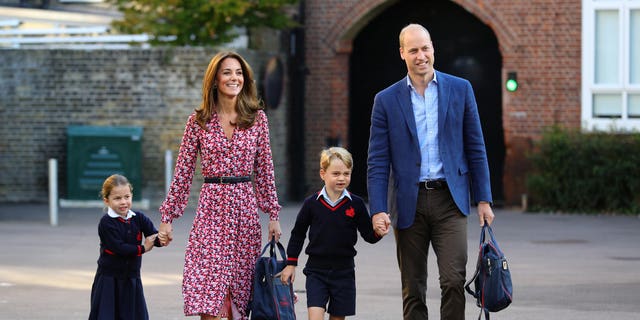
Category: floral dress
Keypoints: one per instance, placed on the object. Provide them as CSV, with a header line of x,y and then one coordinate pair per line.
x,y
225,238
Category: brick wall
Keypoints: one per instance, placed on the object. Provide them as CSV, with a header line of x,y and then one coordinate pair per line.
x,y
538,39
44,91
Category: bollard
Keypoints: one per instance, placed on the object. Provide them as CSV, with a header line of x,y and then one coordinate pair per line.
x,y
53,192
168,166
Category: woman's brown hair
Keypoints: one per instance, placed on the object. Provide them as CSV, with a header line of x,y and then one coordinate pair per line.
x,y
248,103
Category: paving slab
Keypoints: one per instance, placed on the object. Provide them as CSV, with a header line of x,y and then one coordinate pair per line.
x,y
563,266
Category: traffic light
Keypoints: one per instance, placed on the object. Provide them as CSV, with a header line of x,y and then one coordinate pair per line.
x,y
512,81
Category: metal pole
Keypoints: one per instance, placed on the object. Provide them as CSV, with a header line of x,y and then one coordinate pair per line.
x,y
53,192
168,166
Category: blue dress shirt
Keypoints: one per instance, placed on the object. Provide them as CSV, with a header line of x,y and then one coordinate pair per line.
x,y
324,194
425,111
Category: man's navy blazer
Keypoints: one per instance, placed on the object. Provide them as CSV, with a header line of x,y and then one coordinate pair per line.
x,y
394,157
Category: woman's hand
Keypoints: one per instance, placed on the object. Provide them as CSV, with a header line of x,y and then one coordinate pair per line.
x,y
165,234
274,230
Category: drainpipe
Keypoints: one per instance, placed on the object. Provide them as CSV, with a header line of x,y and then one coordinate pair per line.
x,y
297,74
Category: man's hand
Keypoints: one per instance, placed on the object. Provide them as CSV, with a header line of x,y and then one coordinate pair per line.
x,y
485,213
381,223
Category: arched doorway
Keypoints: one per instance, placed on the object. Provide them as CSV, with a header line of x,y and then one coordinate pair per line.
x,y
464,46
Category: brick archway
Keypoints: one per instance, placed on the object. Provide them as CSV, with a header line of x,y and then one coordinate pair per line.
x,y
331,27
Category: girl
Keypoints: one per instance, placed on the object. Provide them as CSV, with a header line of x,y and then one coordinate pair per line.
x,y
117,289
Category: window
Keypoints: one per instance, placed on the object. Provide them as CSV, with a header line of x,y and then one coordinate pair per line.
x,y
611,64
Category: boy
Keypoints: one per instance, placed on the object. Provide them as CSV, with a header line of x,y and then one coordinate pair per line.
x,y
332,216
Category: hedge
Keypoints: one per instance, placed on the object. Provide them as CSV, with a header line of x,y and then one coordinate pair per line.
x,y
593,172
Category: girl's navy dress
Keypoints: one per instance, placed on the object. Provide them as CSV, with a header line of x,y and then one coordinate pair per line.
x,y
117,289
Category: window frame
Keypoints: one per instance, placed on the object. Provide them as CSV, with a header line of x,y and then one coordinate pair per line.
x,y
623,87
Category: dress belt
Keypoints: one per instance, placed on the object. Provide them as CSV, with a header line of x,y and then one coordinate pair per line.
x,y
440,184
227,179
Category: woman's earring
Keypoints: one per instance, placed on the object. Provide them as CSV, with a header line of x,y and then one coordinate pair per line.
x,y
215,86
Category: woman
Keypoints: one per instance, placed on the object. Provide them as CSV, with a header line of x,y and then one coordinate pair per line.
x,y
230,132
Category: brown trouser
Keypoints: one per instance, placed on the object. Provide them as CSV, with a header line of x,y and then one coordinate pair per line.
x,y
438,222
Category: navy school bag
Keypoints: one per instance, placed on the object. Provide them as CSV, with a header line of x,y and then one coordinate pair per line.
x,y
492,280
271,299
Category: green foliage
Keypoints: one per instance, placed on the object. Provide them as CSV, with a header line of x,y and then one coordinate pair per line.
x,y
199,22
586,172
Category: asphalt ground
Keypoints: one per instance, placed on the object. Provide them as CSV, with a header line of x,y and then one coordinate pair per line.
x,y
563,266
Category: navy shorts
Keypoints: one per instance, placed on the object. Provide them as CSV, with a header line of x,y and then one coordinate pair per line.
x,y
335,287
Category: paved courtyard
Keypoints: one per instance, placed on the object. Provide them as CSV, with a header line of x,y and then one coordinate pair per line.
x,y
563,267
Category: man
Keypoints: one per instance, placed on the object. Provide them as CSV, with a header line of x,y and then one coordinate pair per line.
x,y
426,153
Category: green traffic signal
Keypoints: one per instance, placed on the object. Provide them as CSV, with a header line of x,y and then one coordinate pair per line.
x,y
512,82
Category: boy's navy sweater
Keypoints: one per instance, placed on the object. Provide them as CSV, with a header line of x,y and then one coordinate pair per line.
x,y
120,244
332,232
